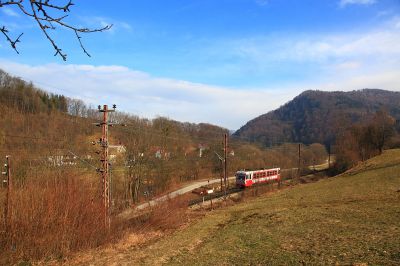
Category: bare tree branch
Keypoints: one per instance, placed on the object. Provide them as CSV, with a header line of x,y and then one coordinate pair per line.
x,y
13,43
41,11
80,42
6,3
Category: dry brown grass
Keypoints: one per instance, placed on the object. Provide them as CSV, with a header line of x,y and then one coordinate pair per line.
x,y
56,216
108,253
139,232
170,214
52,217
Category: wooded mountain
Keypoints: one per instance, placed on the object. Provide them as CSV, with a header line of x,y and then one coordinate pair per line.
x,y
57,204
318,116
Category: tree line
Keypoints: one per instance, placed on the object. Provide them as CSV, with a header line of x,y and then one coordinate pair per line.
x,y
366,139
56,185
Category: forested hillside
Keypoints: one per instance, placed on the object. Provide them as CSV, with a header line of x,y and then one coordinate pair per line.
x,y
38,125
318,116
56,201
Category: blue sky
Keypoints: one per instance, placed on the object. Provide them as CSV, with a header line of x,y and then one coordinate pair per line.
x,y
218,61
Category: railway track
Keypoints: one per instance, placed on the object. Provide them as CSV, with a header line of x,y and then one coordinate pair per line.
x,y
215,195
234,190
221,194
129,212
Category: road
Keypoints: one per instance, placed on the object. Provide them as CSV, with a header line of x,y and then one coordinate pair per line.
x,y
127,213
171,195
180,191
323,166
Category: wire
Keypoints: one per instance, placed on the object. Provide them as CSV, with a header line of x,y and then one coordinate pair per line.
x,y
30,137
82,160
169,137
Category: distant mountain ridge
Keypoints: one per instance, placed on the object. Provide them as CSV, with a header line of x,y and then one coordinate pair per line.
x,y
316,116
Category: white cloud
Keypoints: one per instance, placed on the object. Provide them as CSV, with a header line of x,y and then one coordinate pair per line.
x,y
141,94
304,56
144,95
125,26
349,65
344,3
387,79
384,13
9,12
262,2
316,48
340,61
396,22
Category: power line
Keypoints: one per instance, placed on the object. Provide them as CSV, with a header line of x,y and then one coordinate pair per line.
x,y
83,160
170,137
30,137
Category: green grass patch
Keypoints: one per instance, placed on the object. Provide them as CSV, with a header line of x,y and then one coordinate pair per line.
x,y
350,219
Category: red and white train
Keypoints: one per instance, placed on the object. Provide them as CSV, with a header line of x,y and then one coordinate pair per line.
x,y
248,178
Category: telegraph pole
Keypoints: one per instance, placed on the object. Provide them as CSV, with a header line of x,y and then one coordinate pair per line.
x,y
221,175
329,156
225,160
8,206
105,166
299,162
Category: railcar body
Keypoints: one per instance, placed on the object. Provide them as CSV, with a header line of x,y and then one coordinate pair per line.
x,y
249,178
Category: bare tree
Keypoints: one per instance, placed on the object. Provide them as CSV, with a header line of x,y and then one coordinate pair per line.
x,y
42,12
76,107
383,128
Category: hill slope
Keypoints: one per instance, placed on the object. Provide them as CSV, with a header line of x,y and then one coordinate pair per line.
x,y
349,219
315,116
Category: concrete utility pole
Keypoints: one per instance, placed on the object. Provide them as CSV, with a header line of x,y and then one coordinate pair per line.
x,y
225,160
105,169
8,202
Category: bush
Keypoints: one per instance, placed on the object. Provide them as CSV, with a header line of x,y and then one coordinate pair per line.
x,y
51,218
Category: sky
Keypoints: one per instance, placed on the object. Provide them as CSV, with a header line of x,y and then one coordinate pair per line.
x,y
223,62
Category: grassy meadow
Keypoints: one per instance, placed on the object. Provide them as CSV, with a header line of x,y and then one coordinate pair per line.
x,y
351,219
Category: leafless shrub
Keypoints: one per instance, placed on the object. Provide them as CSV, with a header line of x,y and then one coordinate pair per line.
x,y
169,215
52,217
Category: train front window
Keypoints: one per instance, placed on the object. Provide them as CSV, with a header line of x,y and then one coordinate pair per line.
x,y
241,177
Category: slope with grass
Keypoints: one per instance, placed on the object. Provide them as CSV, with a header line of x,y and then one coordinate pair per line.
x,y
349,219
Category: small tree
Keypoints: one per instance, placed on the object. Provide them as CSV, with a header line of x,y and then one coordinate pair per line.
x,y
363,141
382,128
